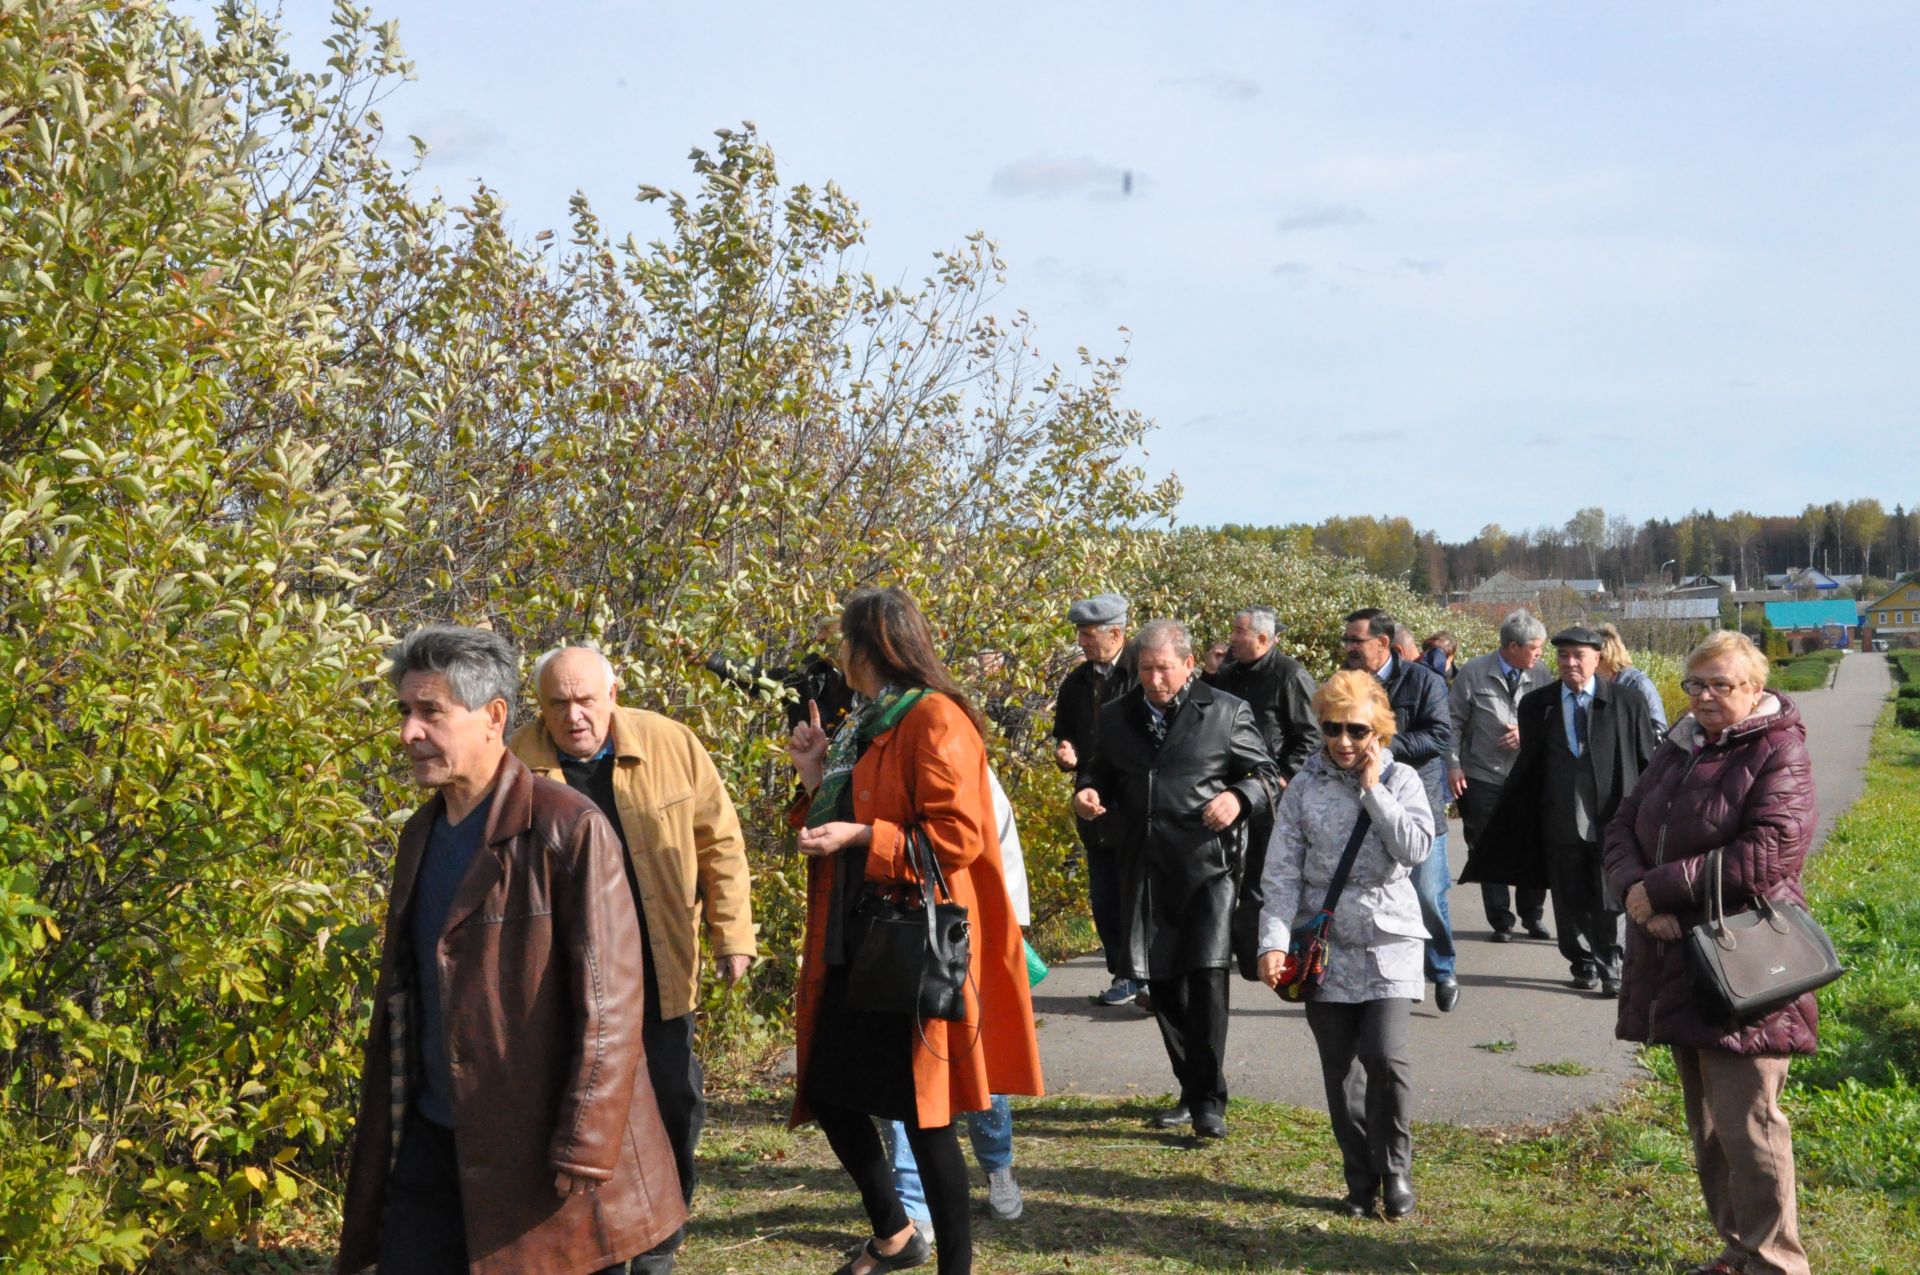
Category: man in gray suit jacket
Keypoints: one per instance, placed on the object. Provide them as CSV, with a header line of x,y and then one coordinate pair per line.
x,y
1485,701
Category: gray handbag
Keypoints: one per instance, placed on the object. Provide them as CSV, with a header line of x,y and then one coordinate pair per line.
x,y
1751,963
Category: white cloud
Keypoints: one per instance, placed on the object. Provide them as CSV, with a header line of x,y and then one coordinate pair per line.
x,y
1322,217
1052,177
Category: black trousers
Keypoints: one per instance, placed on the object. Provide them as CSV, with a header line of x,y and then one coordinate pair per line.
x,y
1368,1076
1191,1009
422,1229
1476,807
1587,920
679,1089
1103,897
855,1140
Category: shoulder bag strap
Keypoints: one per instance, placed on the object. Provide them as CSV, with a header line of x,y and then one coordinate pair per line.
x,y
1347,856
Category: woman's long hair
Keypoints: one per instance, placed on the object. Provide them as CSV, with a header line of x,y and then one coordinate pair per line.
x,y
885,628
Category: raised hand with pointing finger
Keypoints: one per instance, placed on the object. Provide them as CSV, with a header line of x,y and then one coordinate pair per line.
x,y
808,747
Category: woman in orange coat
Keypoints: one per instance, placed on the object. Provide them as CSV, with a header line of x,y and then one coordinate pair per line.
x,y
909,754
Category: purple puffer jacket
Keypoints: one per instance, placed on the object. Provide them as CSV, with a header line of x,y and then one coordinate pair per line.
x,y
1750,792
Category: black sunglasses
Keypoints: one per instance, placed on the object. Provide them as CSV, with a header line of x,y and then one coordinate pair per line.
x,y
1352,730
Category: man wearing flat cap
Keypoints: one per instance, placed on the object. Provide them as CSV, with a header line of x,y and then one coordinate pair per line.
x,y
1100,629
1583,744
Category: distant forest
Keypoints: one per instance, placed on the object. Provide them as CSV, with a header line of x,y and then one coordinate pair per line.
x,y
1857,537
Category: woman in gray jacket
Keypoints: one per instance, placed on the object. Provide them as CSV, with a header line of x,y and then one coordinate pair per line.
x,y
1375,940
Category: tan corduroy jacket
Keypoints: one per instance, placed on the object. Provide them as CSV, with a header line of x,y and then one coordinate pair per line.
x,y
684,840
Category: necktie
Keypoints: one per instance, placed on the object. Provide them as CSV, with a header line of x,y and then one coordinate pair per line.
x,y
1580,723
1513,682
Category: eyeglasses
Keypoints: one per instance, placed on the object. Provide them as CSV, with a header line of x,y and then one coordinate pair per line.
x,y
1352,730
1348,639
1720,687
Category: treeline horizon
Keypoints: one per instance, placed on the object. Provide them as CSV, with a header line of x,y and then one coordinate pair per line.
x,y
1854,537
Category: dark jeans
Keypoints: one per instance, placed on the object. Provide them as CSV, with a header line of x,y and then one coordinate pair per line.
x,y
1103,897
1191,1009
943,1175
1476,807
1588,921
422,1230
679,1089
1368,1076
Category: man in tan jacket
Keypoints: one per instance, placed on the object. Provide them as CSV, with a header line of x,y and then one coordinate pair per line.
x,y
685,861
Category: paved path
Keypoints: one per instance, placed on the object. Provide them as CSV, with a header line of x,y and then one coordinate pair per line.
x,y
1514,993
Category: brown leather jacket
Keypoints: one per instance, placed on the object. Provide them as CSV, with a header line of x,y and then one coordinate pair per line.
x,y
543,961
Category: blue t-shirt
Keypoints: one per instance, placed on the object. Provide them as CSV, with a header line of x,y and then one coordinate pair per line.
x,y
449,853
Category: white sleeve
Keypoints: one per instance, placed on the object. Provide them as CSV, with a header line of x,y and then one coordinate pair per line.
x,y
1013,863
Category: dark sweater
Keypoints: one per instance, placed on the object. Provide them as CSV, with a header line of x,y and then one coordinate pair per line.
x,y
451,849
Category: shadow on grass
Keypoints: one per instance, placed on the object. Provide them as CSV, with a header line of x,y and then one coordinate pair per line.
x,y
1111,1221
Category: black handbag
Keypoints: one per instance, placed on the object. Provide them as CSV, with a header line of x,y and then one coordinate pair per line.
x,y
1751,963
913,958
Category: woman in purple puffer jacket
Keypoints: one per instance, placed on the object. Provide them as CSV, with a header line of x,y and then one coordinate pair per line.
x,y
1734,774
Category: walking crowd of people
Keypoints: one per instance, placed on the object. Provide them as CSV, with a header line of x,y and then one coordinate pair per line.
x,y
533,1095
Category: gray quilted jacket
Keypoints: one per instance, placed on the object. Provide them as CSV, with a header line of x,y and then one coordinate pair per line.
x,y
1377,938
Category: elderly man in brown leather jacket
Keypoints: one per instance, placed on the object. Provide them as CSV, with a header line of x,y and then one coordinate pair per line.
x,y
685,859
507,1122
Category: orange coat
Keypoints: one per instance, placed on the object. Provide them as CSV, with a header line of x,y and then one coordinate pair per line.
x,y
931,769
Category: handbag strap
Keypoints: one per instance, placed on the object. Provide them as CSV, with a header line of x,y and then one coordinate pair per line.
x,y
1716,899
1347,856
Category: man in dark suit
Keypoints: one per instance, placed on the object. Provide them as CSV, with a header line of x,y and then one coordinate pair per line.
x,y
1583,744
1178,770
1423,726
1100,629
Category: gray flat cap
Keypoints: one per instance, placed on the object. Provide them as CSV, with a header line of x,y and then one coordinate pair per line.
x,y
1105,608
1579,635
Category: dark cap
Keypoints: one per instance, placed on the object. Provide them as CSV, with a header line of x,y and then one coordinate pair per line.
x,y
1104,608
1579,635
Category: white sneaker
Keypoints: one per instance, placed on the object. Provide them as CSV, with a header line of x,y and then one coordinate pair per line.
x,y
1003,1196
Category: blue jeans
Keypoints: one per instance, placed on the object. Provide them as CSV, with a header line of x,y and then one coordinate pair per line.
x,y
990,1131
1431,881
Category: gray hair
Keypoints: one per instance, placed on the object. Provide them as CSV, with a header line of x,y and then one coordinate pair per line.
x,y
1260,619
1521,629
1171,635
480,666
540,665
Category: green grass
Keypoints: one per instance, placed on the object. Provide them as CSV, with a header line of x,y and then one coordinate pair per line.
x,y
1497,1046
1561,1067
1857,1101
1809,672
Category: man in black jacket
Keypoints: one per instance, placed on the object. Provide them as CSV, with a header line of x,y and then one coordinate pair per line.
x,y
1178,771
1280,693
1583,744
1424,731
1100,629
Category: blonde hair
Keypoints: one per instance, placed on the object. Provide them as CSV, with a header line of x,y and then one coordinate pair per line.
x,y
1352,695
1613,651
1737,646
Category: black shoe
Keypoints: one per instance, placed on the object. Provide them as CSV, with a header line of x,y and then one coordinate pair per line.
x,y
1359,1200
1535,930
1209,1127
1143,1000
1446,994
1609,988
1586,981
1172,1118
913,1253
1397,1195
1500,936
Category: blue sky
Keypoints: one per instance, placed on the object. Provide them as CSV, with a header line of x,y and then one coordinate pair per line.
x,y
1466,262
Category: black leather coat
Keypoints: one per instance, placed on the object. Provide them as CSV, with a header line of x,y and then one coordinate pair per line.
x,y
1177,877
1280,693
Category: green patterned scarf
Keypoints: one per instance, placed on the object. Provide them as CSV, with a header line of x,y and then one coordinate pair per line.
x,y
869,720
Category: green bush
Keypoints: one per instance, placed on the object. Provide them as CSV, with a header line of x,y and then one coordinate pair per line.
x,y
1907,714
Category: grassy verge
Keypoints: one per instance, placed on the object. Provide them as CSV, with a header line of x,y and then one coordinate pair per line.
x,y
1804,672
1858,1100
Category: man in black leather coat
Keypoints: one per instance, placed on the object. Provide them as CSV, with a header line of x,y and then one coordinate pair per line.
x,y
1179,769
1280,693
